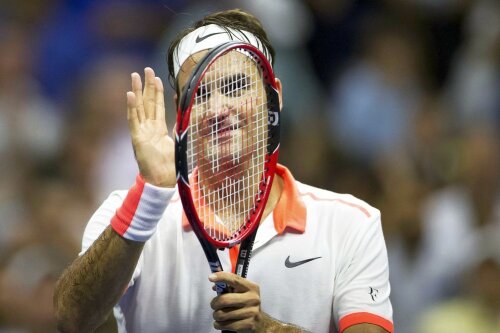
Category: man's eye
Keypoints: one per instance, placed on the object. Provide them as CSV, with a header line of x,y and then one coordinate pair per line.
x,y
233,86
202,93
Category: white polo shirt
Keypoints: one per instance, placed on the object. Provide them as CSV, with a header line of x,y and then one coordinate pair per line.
x,y
320,261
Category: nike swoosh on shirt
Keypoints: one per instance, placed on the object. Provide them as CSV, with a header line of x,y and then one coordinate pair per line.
x,y
290,264
200,39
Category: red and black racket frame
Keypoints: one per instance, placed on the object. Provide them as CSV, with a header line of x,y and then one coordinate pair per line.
x,y
248,232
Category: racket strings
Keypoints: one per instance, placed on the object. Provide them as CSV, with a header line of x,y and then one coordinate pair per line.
x,y
228,143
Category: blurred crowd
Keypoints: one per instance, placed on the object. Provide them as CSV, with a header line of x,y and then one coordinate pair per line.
x,y
394,101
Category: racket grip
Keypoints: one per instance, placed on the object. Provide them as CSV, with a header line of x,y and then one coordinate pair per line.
x,y
224,331
222,288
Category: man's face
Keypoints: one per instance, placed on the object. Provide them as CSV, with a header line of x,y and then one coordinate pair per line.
x,y
228,123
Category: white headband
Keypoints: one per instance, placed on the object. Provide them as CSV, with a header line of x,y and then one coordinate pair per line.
x,y
210,36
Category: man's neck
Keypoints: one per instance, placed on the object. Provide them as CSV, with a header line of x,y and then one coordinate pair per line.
x,y
274,196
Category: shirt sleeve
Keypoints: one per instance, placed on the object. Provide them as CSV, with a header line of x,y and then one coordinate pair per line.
x,y
101,220
362,285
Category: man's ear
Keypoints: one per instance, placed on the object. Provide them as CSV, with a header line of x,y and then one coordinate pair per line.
x,y
280,91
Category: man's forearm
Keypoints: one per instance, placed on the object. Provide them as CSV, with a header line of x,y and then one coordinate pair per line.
x,y
270,325
94,282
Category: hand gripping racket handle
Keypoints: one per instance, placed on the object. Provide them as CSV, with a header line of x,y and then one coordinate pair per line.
x,y
224,289
221,288
243,260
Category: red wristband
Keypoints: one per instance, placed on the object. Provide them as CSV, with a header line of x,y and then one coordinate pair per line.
x,y
141,210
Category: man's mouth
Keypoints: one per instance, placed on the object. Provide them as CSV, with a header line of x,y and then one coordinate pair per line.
x,y
222,127
225,131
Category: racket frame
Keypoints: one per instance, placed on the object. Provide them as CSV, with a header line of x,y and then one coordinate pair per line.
x,y
247,234
181,140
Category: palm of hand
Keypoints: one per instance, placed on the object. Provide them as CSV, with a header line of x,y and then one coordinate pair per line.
x,y
153,147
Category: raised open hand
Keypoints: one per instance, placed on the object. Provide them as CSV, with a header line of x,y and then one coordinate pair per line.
x,y
153,147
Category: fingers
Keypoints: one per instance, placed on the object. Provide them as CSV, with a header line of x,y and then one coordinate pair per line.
x,y
235,300
137,90
149,102
159,100
149,93
132,117
237,282
235,314
236,311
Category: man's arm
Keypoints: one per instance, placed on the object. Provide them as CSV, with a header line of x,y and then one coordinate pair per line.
x,y
270,324
93,284
362,289
365,328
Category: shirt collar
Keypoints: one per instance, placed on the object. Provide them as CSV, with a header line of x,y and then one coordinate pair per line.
x,y
290,211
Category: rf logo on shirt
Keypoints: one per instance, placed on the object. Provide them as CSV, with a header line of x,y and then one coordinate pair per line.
x,y
373,293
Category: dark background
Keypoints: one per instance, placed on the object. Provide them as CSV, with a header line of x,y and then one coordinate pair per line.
x,y
394,101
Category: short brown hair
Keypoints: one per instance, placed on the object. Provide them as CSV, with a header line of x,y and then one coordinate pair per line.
x,y
234,19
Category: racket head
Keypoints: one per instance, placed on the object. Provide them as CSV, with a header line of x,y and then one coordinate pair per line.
x,y
227,142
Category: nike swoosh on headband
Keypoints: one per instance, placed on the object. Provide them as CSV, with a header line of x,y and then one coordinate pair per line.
x,y
201,39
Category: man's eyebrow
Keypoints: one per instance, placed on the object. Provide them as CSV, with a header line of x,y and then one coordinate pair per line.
x,y
233,77
225,77
236,76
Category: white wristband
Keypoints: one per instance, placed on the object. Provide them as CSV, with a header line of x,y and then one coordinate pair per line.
x,y
141,210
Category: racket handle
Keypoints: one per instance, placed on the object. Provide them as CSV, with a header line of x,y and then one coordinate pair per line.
x,y
222,288
224,331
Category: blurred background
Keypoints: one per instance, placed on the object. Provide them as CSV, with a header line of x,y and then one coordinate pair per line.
x,y
394,101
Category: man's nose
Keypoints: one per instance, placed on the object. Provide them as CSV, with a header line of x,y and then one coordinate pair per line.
x,y
219,105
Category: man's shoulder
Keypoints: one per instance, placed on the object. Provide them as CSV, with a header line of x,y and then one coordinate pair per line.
x,y
331,201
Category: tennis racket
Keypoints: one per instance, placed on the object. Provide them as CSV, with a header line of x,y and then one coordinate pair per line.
x,y
227,143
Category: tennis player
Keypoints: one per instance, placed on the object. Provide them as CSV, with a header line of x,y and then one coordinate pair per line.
x,y
319,262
